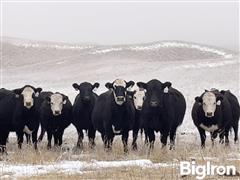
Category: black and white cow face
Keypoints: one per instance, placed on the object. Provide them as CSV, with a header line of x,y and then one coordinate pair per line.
x,y
56,102
28,94
209,103
86,90
119,88
154,92
138,96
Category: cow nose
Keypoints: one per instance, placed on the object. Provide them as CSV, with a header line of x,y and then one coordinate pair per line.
x,y
57,112
154,103
120,98
28,103
209,114
139,107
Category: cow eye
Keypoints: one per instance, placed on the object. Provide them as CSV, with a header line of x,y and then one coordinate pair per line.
x,y
135,97
214,103
204,103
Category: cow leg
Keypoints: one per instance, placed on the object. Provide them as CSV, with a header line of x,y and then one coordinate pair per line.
x,y
55,136
235,128
172,137
20,139
3,140
28,138
43,130
164,136
151,136
221,136
135,136
49,136
108,139
226,136
202,136
34,139
146,141
91,137
125,141
60,137
212,138
80,139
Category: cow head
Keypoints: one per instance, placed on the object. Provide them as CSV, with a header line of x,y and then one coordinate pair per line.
x,y
154,92
85,90
209,102
28,93
138,96
56,102
119,88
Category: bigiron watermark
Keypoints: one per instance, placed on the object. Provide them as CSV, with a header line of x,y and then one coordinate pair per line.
x,y
201,171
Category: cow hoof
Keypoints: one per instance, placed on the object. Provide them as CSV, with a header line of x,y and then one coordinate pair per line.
x,y
134,147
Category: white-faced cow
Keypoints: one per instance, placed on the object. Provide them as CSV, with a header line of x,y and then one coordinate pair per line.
x,y
82,111
18,113
114,113
163,110
137,95
212,112
56,116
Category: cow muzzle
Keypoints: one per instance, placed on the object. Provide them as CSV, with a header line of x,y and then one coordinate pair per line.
x,y
154,104
57,113
209,114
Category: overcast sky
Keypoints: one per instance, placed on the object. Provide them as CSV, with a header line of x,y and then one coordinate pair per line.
x,y
117,23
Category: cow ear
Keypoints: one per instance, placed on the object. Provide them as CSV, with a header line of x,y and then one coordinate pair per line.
x,y
166,86
109,85
206,90
65,99
198,100
130,83
142,85
222,92
37,91
219,100
75,86
18,91
96,85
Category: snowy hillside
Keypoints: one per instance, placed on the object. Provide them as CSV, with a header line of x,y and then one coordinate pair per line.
x,y
55,66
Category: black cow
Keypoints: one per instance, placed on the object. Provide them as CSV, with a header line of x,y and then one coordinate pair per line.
x,y
82,111
113,113
163,110
18,113
235,112
56,116
212,112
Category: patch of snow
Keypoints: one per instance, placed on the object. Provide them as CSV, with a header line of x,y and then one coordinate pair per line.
x,y
73,167
180,45
103,51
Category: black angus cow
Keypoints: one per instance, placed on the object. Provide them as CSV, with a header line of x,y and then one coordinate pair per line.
x,y
137,95
235,112
163,110
55,117
82,111
113,113
18,113
212,112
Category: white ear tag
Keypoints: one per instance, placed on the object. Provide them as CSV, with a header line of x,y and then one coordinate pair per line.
x,y
36,94
65,101
17,95
218,102
165,90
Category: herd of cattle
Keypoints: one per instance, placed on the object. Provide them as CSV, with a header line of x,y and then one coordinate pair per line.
x,y
150,107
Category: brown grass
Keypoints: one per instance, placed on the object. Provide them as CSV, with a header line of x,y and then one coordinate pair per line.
x,y
187,148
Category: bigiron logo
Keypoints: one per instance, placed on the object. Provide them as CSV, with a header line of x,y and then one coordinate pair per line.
x,y
201,171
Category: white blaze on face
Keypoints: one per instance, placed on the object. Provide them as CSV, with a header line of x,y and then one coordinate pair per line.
x,y
209,104
57,104
28,97
119,83
138,98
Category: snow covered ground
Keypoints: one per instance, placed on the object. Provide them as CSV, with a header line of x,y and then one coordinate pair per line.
x,y
190,67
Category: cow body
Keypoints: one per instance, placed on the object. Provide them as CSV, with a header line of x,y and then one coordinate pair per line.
x,y
212,112
163,110
18,114
56,116
113,113
82,111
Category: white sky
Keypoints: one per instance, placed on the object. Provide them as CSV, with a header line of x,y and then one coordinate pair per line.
x,y
214,23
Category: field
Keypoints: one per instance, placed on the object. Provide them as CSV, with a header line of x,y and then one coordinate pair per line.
x,y
191,68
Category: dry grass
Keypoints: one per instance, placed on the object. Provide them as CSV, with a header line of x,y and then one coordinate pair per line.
x,y
187,148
